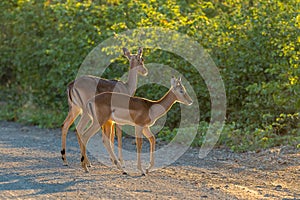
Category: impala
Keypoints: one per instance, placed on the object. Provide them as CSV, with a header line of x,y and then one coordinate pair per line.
x,y
108,108
86,87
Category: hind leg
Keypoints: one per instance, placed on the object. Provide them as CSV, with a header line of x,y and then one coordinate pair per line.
x,y
73,113
83,140
81,127
82,124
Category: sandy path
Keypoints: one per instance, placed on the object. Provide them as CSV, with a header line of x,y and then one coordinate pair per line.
x,y
31,168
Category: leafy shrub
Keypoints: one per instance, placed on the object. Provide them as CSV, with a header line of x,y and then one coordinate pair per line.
x,y
254,43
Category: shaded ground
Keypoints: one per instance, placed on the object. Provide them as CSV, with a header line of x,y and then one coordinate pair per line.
x,y
31,168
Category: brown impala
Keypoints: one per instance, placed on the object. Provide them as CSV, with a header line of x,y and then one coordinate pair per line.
x,y
86,87
108,108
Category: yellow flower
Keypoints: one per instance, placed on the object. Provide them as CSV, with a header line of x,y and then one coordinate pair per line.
x,y
293,80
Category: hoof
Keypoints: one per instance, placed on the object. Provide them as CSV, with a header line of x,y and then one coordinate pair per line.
x,y
125,173
65,162
86,170
143,174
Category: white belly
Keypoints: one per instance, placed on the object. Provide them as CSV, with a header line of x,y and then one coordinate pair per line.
x,y
122,116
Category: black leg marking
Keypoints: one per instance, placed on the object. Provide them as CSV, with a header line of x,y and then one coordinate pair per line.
x,y
63,158
115,162
63,152
82,158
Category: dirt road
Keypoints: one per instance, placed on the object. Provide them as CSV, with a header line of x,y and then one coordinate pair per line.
x,y
31,168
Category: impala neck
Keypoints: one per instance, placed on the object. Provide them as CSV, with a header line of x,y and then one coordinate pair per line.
x,y
132,81
163,105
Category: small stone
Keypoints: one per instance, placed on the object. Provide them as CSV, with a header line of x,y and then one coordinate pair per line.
x,y
278,187
281,161
25,129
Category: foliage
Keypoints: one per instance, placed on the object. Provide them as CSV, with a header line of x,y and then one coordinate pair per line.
x,y
254,43
243,139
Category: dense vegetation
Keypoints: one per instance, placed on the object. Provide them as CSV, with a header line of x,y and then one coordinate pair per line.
x,y
254,43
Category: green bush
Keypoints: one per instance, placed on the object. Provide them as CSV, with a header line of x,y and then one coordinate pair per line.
x,y
254,43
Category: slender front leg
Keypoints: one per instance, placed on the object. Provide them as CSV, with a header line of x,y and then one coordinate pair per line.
x,y
139,143
147,132
119,136
107,129
107,139
72,115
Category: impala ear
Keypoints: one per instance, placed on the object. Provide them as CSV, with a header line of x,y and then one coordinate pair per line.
x,y
173,81
140,51
179,80
126,52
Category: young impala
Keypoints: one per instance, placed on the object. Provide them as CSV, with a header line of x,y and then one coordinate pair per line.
x,y
108,108
86,87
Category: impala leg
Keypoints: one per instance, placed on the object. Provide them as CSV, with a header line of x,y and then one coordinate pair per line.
x,y
72,115
79,140
139,143
107,128
82,124
106,139
147,132
83,140
84,161
112,137
119,136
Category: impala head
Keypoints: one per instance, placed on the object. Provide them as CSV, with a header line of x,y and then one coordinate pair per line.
x,y
136,61
180,92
